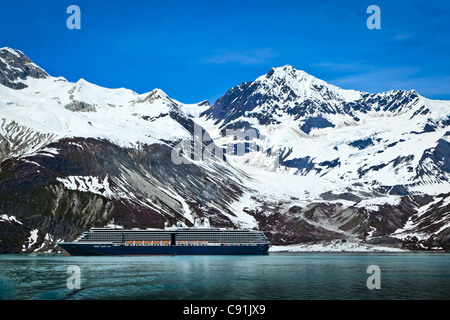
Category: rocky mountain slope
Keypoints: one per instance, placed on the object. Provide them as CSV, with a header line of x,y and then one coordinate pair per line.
x,y
319,164
372,163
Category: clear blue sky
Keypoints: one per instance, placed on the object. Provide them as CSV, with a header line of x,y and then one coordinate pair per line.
x,y
196,50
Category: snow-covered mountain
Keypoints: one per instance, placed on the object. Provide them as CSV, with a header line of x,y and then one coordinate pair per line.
x,y
321,163
75,155
357,152
309,127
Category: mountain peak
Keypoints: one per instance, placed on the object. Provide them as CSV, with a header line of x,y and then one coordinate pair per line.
x,y
6,50
292,85
296,80
286,71
154,95
157,96
15,66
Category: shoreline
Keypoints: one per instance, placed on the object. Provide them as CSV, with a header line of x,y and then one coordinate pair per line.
x,y
339,246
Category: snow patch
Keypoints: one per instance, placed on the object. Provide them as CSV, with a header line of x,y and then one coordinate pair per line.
x,y
32,239
88,184
6,218
374,204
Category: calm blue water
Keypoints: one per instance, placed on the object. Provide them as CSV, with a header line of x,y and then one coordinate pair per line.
x,y
277,276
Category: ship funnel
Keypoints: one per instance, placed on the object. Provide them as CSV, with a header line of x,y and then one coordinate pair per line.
x,y
206,223
198,223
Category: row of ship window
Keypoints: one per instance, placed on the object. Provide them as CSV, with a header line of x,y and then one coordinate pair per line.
x,y
127,237
167,240
166,243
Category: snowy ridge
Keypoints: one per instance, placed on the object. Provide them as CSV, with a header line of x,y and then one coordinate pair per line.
x,y
415,226
58,109
287,82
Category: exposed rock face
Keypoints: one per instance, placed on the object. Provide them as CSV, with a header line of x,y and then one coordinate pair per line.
x,y
90,182
80,106
15,66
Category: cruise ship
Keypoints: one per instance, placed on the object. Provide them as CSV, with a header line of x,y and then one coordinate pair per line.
x,y
201,239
